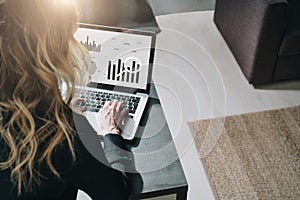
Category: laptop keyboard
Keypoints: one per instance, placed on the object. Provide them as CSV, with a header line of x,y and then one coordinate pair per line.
x,y
95,100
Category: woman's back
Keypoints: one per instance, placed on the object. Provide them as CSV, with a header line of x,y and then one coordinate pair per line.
x,y
42,156
94,176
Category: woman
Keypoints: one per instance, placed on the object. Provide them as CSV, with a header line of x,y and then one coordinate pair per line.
x,y
41,155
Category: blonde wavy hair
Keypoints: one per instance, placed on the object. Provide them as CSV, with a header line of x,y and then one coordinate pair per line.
x,y
37,53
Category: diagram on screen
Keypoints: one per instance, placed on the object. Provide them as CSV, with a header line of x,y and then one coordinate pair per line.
x,y
91,46
117,58
126,71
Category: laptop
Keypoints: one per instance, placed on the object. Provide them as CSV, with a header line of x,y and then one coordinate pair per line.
x,y
121,69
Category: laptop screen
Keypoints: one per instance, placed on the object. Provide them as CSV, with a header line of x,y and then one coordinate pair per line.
x,y
119,58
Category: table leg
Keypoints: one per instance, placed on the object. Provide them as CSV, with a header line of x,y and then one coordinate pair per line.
x,y
182,195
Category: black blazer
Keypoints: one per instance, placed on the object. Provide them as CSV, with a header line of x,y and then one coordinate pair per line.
x,y
97,178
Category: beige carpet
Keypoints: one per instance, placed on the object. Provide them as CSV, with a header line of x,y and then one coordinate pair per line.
x,y
252,156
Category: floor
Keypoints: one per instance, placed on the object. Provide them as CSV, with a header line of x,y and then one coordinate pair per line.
x,y
192,60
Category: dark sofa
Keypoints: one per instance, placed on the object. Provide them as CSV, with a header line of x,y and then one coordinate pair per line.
x,y
264,37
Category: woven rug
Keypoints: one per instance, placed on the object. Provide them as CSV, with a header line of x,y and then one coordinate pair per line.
x,y
252,156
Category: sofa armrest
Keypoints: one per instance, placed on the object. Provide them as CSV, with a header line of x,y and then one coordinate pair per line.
x,y
253,31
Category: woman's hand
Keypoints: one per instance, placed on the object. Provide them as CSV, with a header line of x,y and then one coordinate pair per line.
x,y
78,104
111,117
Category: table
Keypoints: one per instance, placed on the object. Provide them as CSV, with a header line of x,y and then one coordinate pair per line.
x,y
157,169
197,77
156,160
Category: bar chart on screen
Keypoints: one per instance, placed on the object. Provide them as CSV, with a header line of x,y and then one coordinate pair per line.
x,y
127,70
91,45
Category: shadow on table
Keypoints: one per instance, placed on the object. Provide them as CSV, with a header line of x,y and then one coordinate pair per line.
x,y
134,176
